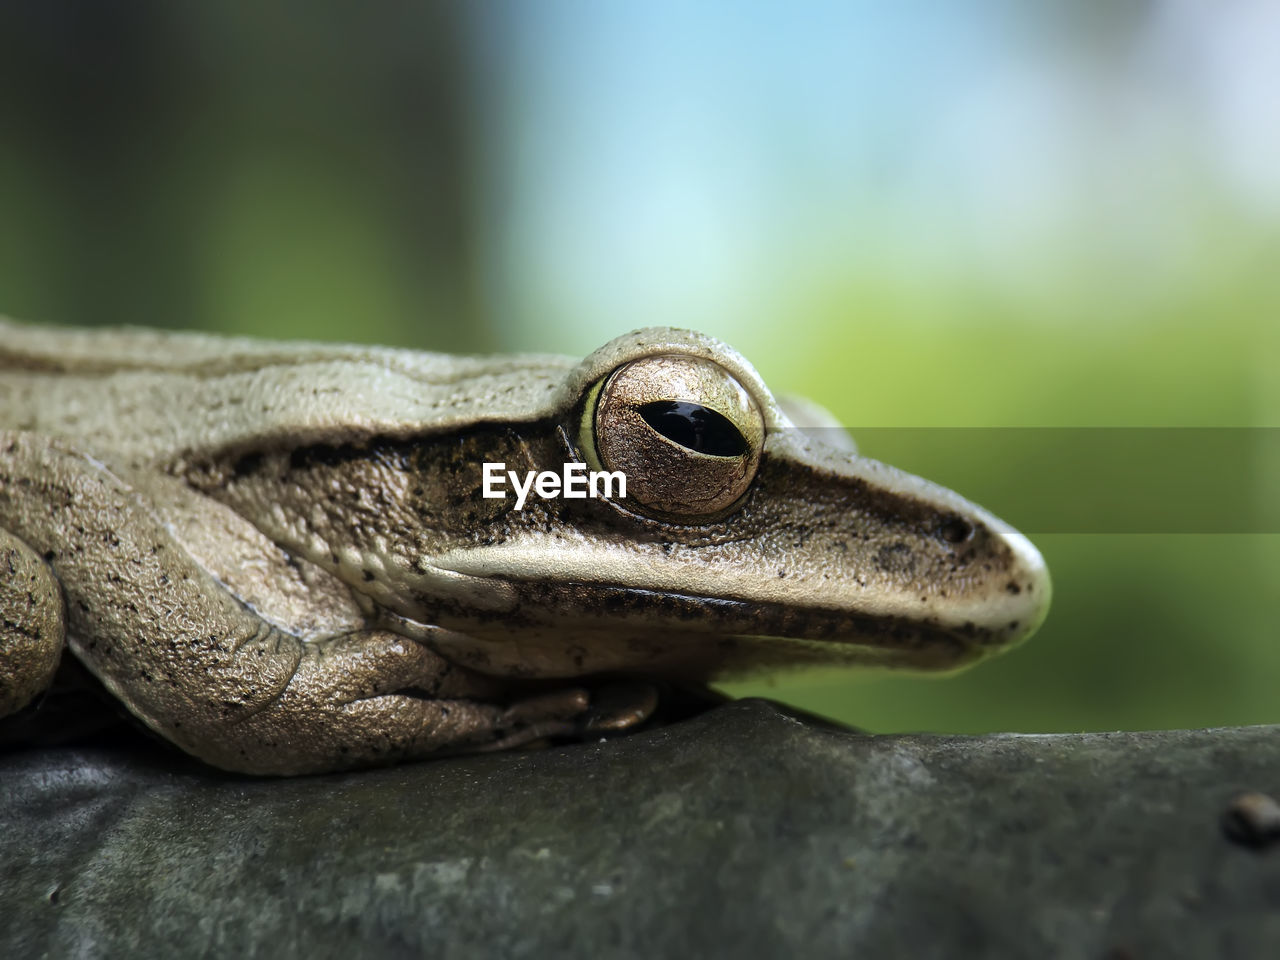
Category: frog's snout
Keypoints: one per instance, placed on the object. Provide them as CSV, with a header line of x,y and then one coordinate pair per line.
x,y
1028,588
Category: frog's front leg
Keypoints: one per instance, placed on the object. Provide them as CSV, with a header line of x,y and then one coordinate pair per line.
x,y
373,697
206,672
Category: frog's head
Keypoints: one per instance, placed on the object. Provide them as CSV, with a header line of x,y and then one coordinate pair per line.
x,y
741,543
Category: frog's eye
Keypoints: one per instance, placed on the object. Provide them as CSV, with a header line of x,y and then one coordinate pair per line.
x,y
682,429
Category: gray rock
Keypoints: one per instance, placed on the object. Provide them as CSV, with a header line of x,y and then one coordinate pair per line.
x,y
743,832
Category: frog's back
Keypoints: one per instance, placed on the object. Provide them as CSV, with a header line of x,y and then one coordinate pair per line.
x,y
148,396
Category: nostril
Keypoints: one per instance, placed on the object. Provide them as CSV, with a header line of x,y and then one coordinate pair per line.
x,y
955,530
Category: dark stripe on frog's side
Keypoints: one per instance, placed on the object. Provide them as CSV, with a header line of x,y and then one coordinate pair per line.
x,y
323,454
426,489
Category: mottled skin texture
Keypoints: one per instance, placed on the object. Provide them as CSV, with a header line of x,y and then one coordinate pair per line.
x,y
277,556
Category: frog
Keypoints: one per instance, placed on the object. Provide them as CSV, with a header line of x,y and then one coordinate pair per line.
x,y
280,557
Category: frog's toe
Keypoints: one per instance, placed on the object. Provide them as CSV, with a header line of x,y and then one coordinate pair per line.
x,y
559,705
31,624
576,713
537,720
619,706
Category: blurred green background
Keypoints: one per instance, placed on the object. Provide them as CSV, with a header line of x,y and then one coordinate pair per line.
x,y
974,214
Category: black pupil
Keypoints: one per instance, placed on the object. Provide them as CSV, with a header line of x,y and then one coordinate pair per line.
x,y
695,426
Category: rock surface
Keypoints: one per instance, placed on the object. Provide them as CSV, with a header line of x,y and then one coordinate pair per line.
x,y
743,832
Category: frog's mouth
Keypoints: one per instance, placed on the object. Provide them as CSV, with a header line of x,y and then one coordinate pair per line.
x,y
577,628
